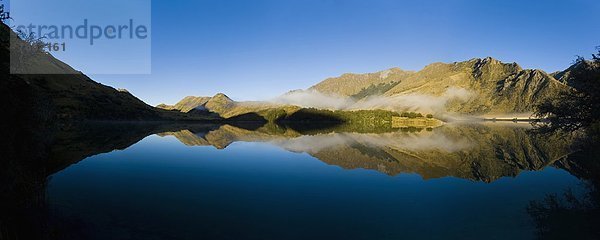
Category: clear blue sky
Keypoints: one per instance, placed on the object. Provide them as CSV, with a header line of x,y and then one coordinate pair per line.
x,y
255,49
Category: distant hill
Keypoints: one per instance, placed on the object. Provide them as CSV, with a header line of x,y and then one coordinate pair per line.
x,y
219,103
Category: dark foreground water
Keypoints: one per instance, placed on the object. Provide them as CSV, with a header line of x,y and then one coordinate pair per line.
x,y
453,182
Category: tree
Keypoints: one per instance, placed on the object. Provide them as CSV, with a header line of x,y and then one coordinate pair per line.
x,y
578,107
4,15
24,48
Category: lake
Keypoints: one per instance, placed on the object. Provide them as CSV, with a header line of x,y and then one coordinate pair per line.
x,y
204,181
458,181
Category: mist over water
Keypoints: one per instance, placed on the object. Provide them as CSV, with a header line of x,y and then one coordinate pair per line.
x,y
403,102
315,99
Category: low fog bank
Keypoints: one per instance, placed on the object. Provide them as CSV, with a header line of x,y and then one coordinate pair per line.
x,y
400,103
411,102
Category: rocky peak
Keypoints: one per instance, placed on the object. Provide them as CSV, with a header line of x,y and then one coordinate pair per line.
x,y
490,69
219,103
389,72
221,97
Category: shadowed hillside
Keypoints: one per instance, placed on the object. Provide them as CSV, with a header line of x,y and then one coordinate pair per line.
x,y
66,94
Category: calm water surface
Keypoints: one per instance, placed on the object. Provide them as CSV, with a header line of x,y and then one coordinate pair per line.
x,y
462,182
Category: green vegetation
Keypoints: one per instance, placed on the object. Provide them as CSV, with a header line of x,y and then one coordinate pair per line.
x,y
311,120
273,114
366,117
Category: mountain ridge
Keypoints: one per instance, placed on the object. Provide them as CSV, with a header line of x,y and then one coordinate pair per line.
x,y
361,81
498,87
489,86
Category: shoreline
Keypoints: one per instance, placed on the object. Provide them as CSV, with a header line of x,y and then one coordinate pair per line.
x,y
513,119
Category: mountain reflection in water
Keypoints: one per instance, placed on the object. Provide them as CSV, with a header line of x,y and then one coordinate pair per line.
x,y
189,181
481,152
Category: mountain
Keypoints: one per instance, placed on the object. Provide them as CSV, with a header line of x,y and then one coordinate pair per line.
x,y
66,94
186,104
220,103
494,87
